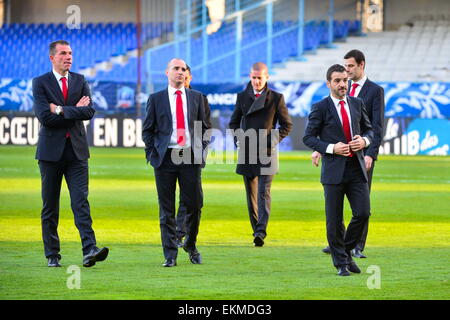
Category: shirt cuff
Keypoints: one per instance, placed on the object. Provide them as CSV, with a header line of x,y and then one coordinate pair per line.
x,y
367,141
330,148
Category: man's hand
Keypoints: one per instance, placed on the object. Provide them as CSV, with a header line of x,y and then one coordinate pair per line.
x,y
368,161
342,149
53,108
315,157
84,102
358,143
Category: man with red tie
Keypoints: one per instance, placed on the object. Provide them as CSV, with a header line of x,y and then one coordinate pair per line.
x,y
181,213
61,103
373,97
261,111
339,128
174,133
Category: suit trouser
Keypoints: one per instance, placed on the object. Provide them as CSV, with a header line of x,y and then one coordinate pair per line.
x,y
258,202
181,221
362,242
191,195
356,189
77,178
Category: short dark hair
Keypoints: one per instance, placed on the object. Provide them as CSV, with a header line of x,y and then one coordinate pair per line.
x,y
188,69
52,47
334,68
357,55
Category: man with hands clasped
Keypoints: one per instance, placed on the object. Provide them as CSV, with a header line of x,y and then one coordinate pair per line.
x,y
339,128
373,97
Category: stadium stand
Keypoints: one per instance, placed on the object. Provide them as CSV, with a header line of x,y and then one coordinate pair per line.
x,y
107,51
24,48
221,46
423,43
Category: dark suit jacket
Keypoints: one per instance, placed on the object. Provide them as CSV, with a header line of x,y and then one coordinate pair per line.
x,y
261,113
157,128
373,97
324,127
52,135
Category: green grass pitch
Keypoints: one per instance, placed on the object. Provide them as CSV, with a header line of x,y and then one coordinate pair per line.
x,y
409,237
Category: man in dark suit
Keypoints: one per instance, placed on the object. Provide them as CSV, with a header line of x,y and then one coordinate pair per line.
x,y
256,113
373,97
339,128
181,213
61,103
174,133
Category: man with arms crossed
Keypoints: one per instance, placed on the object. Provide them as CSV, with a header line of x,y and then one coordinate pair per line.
x,y
61,103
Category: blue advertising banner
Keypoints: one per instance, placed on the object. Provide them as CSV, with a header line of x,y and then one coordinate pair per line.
x,y
428,100
16,95
402,99
405,136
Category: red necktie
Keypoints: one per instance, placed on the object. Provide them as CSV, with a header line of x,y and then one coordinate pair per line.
x,y
64,92
64,88
181,136
345,124
257,95
354,86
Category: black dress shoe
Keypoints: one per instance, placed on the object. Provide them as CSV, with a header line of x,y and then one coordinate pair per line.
x,y
326,250
53,262
169,263
258,241
358,254
194,255
352,267
95,255
342,271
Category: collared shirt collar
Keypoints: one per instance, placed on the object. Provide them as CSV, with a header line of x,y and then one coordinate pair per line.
x,y
336,101
172,90
258,92
59,76
361,81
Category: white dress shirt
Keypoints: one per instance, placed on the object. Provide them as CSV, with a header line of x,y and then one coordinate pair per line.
x,y
330,147
173,109
360,85
58,78
258,92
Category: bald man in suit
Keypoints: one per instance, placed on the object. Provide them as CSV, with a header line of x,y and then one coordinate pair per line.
x,y
175,137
